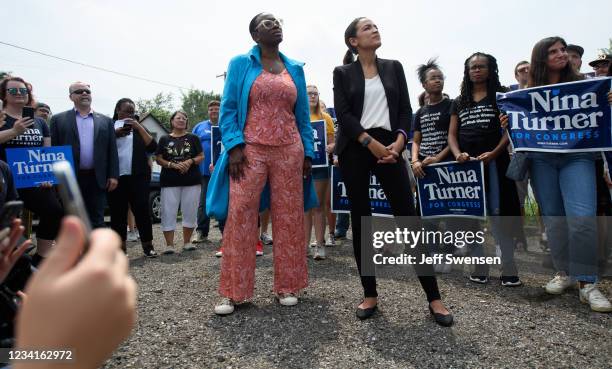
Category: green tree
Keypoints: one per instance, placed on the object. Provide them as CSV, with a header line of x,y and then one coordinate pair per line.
x,y
195,104
4,74
161,107
608,50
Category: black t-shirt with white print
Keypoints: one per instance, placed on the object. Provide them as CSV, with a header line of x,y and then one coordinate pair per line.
x,y
177,149
479,126
32,137
433,121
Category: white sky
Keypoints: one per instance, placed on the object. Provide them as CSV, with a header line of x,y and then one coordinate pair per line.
x,y
188,43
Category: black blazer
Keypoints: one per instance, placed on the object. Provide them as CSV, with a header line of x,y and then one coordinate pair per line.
x,y
64,131
349,89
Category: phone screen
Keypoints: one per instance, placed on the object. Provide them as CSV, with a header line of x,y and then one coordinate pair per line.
x,y
28,112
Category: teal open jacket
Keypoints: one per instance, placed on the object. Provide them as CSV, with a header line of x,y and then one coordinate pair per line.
x,y
241,73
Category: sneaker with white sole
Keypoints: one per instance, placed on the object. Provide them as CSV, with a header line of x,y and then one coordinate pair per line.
x,y
169,250
189,247
288,299
199,237
319,253
330,241
132,236
219,253
510,281
266,238
259,248
225,307
589,294
558,284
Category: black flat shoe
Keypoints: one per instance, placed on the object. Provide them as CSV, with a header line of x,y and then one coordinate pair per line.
x,y
364,314
441,319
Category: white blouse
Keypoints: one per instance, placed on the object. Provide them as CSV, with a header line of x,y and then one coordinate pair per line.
x,y
375,109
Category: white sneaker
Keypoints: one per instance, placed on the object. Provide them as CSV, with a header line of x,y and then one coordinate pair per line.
x,y
189,247
589,294
557,285
266,238
132,236
288,299
169,250
225,307
319,253
330,241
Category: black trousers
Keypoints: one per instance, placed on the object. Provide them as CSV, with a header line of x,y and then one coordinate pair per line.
x,y
94,197
44,203
132,191
356,163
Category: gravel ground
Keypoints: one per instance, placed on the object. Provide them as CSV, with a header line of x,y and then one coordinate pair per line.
x,y
494,327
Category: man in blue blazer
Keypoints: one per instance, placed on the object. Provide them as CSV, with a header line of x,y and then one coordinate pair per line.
x,y
94,149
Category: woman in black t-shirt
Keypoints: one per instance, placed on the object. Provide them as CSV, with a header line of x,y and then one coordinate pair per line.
x,y
431,121
475,134
179,155
23,132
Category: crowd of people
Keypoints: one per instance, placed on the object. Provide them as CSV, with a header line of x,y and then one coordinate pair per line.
x,y
265,173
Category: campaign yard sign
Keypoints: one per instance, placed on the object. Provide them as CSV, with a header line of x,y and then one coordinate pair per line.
x,y
453,190
216,147
33,166
340,202
320,159
565,117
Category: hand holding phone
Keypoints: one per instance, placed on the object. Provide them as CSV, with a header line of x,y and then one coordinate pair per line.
x,y
10,211
21,125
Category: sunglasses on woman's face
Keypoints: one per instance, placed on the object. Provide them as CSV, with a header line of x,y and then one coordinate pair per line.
x,y
80,91
17,91
270,23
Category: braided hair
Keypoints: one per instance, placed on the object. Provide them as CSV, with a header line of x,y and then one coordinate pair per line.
x,y
118,106
466,98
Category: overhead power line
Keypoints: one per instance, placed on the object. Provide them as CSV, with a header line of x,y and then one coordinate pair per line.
x,y
93,66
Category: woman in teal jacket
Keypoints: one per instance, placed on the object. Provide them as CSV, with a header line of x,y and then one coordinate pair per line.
x,y
266,132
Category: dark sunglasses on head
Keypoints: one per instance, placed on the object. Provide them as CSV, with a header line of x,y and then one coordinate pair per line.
x,y
81,90
17,91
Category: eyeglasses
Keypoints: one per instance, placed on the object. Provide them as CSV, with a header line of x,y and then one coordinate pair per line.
x,y
17,91
479,67
313,94
270,23
81,90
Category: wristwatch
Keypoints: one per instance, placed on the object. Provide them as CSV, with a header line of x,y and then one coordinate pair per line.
x,y
366,141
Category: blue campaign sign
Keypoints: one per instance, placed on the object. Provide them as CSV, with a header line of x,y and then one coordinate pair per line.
x,y
566,117
340,202
33,166
216,147
320,143
453,190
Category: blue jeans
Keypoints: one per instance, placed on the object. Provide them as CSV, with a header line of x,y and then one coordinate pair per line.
x,y
342,224
501,234
566,188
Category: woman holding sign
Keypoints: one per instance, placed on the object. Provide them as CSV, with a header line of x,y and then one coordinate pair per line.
x,y
475,134
373,108
267,135
566,188
21,131
321,179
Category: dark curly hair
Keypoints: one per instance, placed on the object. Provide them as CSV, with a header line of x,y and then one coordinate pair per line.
x,y
424,68
466,98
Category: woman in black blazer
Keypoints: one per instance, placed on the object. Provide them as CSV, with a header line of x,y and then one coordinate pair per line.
x,y
374,115
134,176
